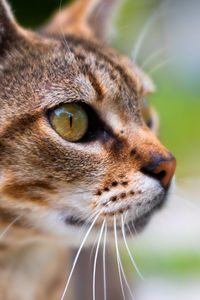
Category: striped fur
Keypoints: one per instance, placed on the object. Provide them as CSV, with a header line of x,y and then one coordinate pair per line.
x,y
46,180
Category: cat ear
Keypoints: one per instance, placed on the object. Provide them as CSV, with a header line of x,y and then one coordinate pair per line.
x,y
8,27
84,17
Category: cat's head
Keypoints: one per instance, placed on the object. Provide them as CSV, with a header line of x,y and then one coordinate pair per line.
x,y
77,138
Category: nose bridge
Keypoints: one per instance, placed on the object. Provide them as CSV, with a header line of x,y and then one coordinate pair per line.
x,y
154,159
149,147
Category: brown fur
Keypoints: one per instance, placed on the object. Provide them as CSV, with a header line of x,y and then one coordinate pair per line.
x,y
40,173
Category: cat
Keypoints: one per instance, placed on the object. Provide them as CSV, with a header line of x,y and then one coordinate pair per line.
x,y
78,146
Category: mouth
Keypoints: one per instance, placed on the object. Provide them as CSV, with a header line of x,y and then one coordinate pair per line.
x,y
138,224
74,221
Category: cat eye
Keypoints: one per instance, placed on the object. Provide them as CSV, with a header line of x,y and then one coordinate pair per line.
x,y
70,121
147,112
150,116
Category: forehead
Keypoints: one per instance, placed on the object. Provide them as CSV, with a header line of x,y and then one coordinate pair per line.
x,y
100,76
73,69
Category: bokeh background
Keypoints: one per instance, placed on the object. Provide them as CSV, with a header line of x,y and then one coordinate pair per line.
x,y
168,252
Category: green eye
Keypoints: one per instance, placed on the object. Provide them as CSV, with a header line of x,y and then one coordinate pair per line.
x,y
70,121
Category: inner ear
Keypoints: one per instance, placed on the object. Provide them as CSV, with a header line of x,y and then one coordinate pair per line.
x,y
84,17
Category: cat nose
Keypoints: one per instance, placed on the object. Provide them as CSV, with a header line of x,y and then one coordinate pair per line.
x,y
161,168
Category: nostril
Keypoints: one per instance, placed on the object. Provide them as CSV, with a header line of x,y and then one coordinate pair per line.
x,y
160,175
148,171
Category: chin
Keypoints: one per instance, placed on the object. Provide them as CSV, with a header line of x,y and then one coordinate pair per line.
x,y
72,226
138,224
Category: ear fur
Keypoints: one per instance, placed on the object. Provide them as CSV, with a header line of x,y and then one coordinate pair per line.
x,y
83,17
8,27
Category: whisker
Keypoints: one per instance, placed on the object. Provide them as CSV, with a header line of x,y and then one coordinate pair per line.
x,y
125,279
134,228
93,214
151,19
128,250
130,232
83,192
142,35
78,253
159,66
104,261
9,226
95,259
152,57
89,219
118,263
63,37
123,272
129,229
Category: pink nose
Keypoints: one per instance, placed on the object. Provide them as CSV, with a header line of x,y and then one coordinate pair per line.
x,y
161,169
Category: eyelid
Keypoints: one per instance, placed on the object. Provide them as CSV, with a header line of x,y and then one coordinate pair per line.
x,y
151,116
55,103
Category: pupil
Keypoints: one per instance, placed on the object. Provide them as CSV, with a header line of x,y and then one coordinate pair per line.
x,y
70,120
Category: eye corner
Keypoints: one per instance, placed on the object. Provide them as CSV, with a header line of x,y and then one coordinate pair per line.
x,y
150,116
147,112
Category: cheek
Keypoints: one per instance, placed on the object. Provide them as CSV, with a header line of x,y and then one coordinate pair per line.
x,y
30,193
135,193
46,155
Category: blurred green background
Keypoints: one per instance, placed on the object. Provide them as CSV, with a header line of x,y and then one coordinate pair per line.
x,y
170,249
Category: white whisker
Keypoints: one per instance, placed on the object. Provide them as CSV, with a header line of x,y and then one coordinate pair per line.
x,y
129,229
78,253
125,279
83,192
122,270
118,262
72,56
131,234
95,259
104,262
159,66
89,220
91,217
142,35
93,214
152,57
9,226
152,18
134,228
128,250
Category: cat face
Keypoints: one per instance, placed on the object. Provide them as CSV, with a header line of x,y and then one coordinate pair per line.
x,y
117,167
